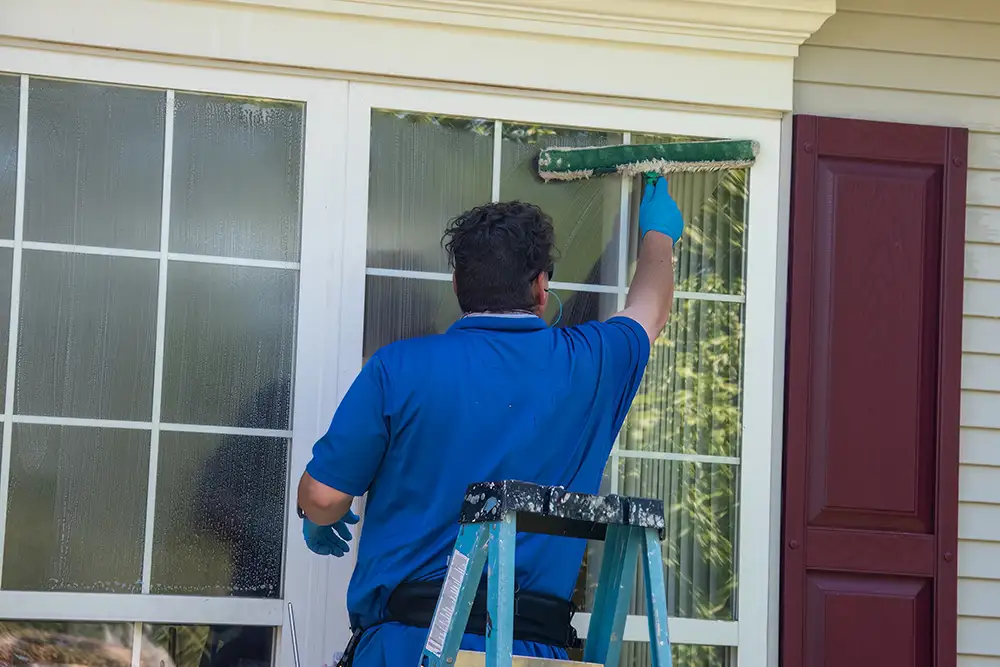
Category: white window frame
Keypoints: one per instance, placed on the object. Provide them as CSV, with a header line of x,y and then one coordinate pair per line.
x,y
754,632
308,584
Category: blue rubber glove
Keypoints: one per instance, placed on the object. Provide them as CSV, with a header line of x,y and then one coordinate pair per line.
x,y
329,540
658,211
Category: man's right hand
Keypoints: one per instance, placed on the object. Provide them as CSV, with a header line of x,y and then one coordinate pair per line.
x,y
658,212
329,540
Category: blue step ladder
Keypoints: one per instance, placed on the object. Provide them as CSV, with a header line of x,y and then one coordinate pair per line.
x,y
492,515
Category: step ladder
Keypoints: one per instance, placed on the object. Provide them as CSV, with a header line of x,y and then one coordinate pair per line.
x,y
492,515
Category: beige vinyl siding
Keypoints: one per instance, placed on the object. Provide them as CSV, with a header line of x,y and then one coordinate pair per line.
x,y
939,64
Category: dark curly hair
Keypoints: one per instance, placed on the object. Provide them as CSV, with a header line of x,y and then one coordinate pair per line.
x,y
497,250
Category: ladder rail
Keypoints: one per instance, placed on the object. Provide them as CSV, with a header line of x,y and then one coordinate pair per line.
x,y
451,614
500,592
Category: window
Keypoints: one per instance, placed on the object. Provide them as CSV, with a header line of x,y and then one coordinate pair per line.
x,y
159,273
432,156
112,644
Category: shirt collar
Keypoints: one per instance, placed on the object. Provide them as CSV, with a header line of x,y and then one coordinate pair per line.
x,y
500,322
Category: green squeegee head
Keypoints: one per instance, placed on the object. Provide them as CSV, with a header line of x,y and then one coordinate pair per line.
x,y
569,164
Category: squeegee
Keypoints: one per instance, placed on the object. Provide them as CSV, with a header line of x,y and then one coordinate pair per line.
x,y
570,164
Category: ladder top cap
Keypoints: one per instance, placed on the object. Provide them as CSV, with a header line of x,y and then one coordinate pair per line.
x,y
489,501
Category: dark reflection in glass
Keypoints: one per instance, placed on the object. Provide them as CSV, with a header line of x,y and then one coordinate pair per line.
x,y
220,513
585,213
207,646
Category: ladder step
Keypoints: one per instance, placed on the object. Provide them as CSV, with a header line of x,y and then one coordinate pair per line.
x,y
477,659
552,510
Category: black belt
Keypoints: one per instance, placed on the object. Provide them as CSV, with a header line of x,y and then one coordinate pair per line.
x,y
540,618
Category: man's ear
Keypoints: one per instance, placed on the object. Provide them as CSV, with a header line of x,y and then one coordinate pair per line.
x,y
540,291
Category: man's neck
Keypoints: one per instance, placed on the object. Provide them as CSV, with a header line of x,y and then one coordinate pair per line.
x,y
501,313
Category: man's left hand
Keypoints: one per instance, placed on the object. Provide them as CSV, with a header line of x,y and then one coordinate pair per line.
x,y
329,540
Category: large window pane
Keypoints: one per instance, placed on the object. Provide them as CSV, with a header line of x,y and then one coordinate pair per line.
x,y
424,171
699,550
585,213
94,165
34,644
237,177
203,645
10,97
702,525
229,345
690,398
710,257
77,509
398,308
220,515
87,336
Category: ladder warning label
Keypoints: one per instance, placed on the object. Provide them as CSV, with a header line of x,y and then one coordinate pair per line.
x,y
449,601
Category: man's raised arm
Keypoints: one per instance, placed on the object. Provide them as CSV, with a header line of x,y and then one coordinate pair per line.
x,y
651,294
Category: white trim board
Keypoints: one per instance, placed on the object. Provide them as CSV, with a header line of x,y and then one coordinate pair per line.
x,y
681,630
111,607
757,70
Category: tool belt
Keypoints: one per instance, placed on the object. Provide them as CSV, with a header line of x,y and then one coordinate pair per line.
x,y
540,618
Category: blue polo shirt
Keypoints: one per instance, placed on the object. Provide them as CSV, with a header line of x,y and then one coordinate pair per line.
x,y
495,397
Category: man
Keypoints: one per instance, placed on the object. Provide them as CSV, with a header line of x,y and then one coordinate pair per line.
x,y
500,395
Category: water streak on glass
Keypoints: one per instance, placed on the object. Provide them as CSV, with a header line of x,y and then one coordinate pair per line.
x,y
399,308
585,212
236,181
715,205
229,350
87,336
424,170
10,99
6,267
220,515
77,509
94,173
35,643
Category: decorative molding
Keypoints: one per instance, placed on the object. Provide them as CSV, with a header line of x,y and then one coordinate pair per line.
x,y
735,54
771,27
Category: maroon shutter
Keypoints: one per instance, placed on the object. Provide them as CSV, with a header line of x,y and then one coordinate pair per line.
x,y
872,405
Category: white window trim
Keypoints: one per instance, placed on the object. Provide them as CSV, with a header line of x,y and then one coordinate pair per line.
x,y
308,585
763,357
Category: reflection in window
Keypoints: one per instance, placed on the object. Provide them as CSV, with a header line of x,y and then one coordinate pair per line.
x,y
715,206
424,171
636,654
585,213
207,646
66,644
49,644
220,515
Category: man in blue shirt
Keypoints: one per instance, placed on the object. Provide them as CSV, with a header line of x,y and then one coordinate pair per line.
x,y
500,395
